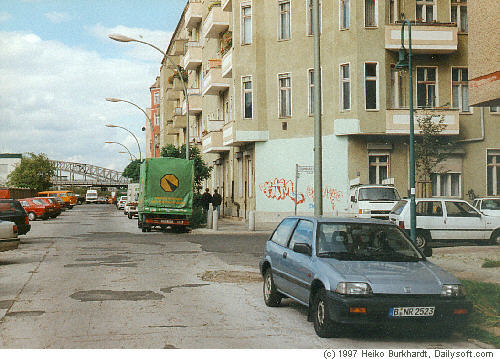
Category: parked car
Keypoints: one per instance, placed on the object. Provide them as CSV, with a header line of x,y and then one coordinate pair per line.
x,y
8,236
64,205
121,202
101,200
11,210
57,210
36,208
364,272
488,206
446,219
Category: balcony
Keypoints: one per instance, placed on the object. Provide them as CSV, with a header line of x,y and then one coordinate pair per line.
x,y
398,120
192,59
212,143
227,64
227,5
232,136
172,94
213,82
173,62
216,22
177,84
178,47
179,120
194,14
195,103
171,130
425,38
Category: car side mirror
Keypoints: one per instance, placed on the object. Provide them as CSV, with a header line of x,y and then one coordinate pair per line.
x,y
427,251
353,199
303,248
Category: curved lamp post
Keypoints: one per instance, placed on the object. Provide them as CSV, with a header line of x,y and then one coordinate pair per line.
x,y
136,140
122,38
121,144
131,158
405,63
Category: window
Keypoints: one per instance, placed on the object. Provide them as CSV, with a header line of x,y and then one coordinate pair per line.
x,y
246,24
310,27
345,14
460,89
426,86
495,109
459,14
378,168
303,233
493,173
426,10
282,233
310,76
397,92
371,96
156,98
247,96
460,209
370,13
345,83
285,95
429,209
284,24
393,12
157,119
250,176
446,184
240,177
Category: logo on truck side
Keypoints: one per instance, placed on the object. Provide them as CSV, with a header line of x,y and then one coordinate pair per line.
x,y
169,183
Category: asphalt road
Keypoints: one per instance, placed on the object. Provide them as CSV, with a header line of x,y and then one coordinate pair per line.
x,y
91,279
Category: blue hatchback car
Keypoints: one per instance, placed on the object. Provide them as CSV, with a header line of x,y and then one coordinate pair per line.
x,y
361,272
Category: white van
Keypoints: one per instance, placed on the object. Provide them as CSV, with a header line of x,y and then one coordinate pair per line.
x,y
91,196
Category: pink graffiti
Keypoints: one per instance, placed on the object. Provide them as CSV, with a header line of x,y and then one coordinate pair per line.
x,y
280,189
328,192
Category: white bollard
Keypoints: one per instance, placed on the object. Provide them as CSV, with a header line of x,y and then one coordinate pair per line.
x,y
251,221
209,217
215,221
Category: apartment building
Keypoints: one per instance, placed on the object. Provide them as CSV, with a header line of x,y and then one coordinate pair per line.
x,y
153,129
249,66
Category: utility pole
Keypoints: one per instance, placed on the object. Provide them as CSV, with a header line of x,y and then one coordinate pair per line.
x,y
318,148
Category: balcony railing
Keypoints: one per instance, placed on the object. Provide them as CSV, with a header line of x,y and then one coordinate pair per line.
x,y
194,14
212,143
178,47
172,94
213,82
216,22
227,65
192,59
398,120
426,38
173,62
195,104
179,120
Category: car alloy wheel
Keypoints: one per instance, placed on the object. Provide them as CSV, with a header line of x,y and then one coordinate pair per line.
x,y
320,313
31,216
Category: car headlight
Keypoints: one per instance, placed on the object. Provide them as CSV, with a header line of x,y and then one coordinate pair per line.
x,y
353,288
452,290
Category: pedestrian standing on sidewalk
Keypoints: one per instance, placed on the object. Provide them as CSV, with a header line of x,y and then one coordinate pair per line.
x,y
216,201
206,199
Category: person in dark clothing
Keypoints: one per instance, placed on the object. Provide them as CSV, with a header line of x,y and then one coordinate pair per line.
x,y
216,201
206,199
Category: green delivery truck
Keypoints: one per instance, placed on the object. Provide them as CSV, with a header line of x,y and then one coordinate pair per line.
x,y
165,193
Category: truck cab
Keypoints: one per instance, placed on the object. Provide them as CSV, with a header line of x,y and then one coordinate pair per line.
x,y
372,201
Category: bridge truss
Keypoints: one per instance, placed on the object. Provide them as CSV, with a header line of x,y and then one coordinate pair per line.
x,y
86,175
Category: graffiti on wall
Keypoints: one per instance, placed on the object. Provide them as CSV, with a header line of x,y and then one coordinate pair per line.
x,y
280,189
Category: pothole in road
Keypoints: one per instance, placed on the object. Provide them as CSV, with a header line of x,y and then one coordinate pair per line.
x,y
25,313
102,295
223,276
169,289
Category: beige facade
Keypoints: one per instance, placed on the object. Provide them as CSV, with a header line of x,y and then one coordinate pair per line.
x,y
249,69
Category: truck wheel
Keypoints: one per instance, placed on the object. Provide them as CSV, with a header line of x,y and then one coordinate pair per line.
x,y
143,229
31,216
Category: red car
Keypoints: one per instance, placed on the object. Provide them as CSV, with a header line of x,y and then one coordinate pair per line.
x,y
36,208
55,205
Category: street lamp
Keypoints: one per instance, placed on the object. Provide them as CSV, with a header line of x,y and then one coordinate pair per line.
x,y
121,144
131,159
113,99
136,140
403,63
123,38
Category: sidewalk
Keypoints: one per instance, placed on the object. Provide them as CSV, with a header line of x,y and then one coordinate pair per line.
x,y
228,225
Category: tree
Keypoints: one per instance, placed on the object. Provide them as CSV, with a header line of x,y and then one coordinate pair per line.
x,y
431,148
133,171
34,171
201,169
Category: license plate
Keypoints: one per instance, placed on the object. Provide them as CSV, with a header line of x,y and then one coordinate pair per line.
x,y
411,312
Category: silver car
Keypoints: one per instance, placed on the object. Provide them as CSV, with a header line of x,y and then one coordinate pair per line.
x,y
359,272
8,236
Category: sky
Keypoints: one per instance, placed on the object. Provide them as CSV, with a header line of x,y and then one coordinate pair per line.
x,y
57,66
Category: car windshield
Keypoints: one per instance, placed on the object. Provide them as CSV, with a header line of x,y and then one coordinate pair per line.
x,y
364,242
493,204
378,194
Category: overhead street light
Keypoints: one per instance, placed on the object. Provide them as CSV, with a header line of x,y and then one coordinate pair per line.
x,y
123,38
131,159
121,144
403,64
136,140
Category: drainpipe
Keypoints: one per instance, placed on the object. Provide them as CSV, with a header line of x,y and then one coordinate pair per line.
x,y
479,139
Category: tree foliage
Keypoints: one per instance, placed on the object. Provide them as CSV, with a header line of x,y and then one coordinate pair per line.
x,y
201,169
133,171
34,171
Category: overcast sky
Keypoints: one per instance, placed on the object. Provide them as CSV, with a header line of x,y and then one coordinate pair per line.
x,y
57,66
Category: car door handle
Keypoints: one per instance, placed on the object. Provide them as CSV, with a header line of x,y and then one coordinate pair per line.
x,y
284,254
